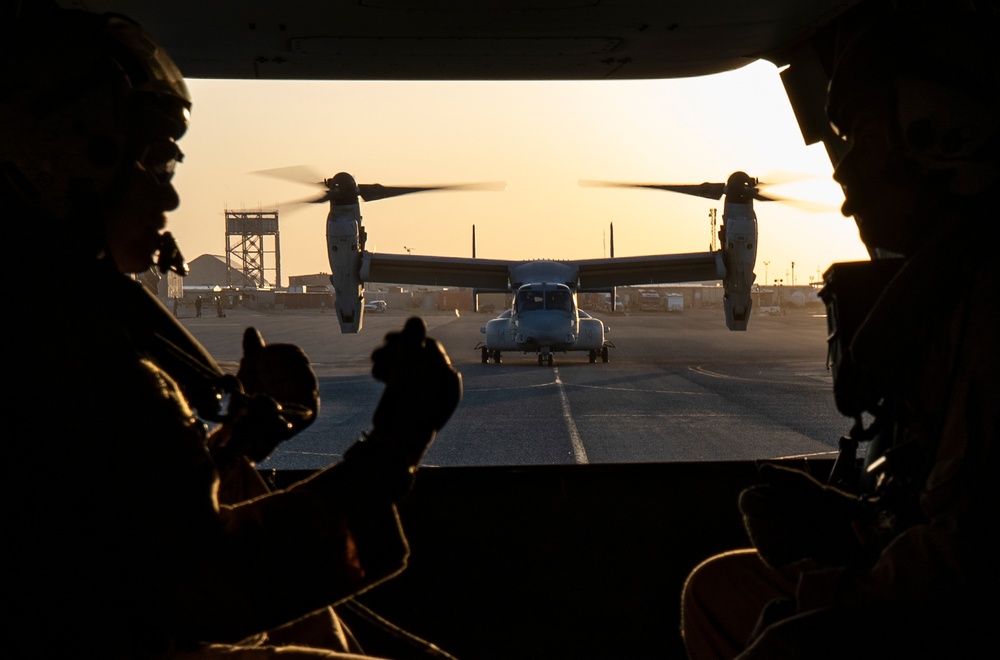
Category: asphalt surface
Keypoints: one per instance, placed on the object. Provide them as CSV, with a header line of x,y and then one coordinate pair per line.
x,y
677,387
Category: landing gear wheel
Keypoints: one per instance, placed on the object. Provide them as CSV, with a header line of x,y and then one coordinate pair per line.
x,y
496,357
540,359
549,360
604,354
486,356
593,356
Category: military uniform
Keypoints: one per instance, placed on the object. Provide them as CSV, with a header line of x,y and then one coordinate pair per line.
x,y
120,545
933,530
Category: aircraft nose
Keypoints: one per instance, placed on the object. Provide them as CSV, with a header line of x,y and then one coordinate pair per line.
x,y
547,330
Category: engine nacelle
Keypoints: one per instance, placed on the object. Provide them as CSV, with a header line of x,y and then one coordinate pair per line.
x,y
344,246
591,335
500,335
739,256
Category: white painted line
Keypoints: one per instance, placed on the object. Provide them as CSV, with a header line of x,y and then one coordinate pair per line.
x,y
579,453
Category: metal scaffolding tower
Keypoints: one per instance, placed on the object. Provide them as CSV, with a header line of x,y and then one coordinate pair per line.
x,y
248,243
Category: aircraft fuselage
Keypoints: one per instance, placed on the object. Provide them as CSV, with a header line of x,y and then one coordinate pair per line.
x,y
544,318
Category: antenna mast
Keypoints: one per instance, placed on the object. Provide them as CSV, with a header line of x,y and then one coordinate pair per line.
x,y
711,217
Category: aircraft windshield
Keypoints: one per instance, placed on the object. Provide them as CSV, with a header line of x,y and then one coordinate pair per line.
x,y
560,300
529,300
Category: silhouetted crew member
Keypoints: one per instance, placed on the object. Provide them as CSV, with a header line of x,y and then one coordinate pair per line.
x,y
904,563
117,543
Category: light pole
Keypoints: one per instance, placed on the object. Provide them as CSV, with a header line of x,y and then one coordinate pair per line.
x,y
766,264
793,273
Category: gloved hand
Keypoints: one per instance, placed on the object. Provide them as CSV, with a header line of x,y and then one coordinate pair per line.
x,y
282,396
422,389
791,516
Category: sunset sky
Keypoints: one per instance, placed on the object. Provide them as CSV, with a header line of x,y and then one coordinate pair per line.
x,y
541,138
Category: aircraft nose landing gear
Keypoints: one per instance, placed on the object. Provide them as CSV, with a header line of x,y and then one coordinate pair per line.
x,y
599,353
494,354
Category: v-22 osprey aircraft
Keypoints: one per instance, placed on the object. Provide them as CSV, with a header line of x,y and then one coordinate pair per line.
x,y
544,317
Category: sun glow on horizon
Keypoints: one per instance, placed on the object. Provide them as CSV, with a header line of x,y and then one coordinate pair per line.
x,y
541,138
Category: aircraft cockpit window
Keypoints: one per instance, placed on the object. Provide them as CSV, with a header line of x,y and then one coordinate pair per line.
x,y
528,301
560,300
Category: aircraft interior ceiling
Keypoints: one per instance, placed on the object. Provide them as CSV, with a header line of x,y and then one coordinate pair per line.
x,y
454,40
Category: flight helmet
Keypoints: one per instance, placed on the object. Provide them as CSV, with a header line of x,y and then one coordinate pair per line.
x,y
83,97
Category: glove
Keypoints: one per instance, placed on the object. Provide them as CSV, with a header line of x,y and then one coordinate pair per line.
x,y
791,516
282,372
422,389
281,397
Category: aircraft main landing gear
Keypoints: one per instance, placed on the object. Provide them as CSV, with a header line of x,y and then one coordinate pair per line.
x,y
494,354
604,354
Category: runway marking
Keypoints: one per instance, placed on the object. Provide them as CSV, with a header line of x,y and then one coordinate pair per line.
x,y
644,390
833,453
579,453
698,416
509,389
715,374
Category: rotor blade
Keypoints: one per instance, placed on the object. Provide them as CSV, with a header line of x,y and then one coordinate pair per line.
x,y
293,206
780,177
322,199
707,190
296,173
801,204
371,192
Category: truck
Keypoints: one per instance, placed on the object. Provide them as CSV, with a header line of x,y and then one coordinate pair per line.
x,y
649,301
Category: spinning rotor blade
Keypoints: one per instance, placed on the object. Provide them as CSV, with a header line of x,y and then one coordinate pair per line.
x,y
296,173
780,177
342,188
801,204
371,192
738,186
322,199
707,190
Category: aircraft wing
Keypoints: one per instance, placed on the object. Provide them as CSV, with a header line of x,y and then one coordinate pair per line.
x,y
485,275
499,275
600,274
